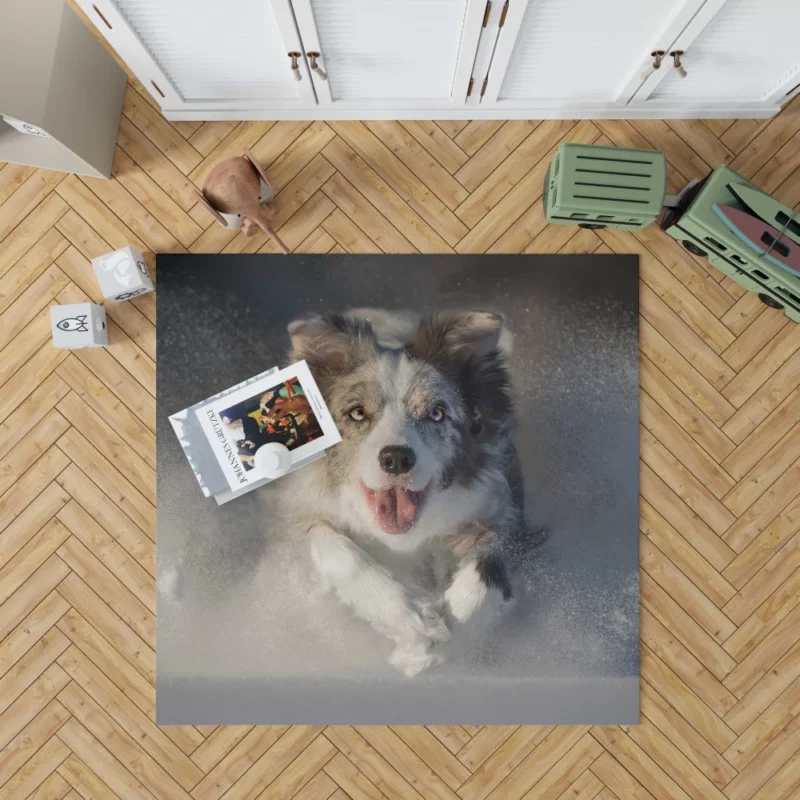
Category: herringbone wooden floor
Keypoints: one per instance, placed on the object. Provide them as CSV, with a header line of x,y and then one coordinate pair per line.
x,y
720,471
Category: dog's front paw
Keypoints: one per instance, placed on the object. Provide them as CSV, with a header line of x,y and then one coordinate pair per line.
x,y
413,657
430,621
467,593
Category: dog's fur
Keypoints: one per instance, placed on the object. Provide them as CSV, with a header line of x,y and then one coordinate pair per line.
x,y
445,394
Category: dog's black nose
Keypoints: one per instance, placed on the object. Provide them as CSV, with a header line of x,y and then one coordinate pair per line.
x,y
397,459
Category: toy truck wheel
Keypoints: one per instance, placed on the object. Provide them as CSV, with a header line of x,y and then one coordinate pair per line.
x,y
592,226
769,301
693,248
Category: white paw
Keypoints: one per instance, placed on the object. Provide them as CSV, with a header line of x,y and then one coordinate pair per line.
x,y
430,622
411,658
466,594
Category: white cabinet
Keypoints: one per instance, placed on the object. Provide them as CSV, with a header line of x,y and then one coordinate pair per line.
x,y
339,59
562,53
583,59
398,53
207,54
734,51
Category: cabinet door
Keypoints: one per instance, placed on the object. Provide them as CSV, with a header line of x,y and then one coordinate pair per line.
x,y
206,53
578,54
390,53
736,51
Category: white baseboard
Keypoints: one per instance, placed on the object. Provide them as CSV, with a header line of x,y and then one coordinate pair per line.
x,y
749,111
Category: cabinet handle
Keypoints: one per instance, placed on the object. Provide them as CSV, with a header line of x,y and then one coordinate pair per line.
x,y
295,66
100,14
658,56
503,15
486,14
313,56
676,60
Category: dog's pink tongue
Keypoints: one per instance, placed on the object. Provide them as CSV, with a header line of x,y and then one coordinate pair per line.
x,y
394,508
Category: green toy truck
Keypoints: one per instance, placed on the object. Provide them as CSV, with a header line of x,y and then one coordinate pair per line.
x,y
611,187
605,187
694,223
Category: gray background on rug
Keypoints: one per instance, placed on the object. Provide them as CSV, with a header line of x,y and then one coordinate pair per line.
x,y
245,634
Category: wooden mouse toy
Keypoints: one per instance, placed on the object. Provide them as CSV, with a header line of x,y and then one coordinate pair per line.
x,y
237,192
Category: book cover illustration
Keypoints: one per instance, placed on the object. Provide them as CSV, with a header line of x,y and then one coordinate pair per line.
x,y
221,434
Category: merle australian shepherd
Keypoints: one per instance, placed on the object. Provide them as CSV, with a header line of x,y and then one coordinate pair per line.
x,y
410,519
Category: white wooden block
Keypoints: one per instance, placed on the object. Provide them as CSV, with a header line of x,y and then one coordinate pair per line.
x,y
122,274
78,325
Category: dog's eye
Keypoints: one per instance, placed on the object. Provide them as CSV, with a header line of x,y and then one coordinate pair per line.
x,y
437,414
357,414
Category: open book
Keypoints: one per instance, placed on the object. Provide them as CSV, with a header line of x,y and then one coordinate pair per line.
x,y
221,434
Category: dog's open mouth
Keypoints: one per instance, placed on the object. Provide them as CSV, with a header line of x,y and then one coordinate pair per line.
x,y
395,509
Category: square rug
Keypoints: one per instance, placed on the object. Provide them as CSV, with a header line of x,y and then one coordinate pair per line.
x,y
247,633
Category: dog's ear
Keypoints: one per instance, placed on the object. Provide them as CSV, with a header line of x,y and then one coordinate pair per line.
x,y
456,337
331,344
469,346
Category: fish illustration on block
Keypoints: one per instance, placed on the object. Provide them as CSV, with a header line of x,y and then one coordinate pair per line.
x,y
763,238
78,324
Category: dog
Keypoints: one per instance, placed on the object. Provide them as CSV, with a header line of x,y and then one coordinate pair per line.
x,y
426,472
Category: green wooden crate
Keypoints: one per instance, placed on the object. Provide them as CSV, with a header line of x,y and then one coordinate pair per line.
x,y
605,187
701,231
